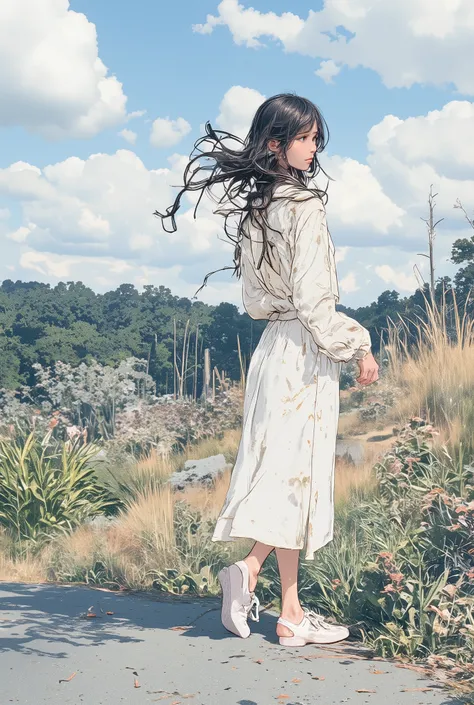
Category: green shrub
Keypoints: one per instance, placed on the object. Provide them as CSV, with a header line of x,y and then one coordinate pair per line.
x,y
400,569
47,486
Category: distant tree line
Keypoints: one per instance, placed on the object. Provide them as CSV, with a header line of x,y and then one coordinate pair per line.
x,y
72,323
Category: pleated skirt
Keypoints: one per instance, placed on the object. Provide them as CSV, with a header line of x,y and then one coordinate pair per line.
x,y
281,490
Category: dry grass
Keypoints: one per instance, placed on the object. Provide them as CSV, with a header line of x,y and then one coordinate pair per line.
x,y
437,380
23,570
146,528
437,374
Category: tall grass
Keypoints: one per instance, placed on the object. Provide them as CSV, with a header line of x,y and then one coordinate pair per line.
x,y
400,569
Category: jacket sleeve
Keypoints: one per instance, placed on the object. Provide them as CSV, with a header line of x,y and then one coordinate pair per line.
x,y
340,337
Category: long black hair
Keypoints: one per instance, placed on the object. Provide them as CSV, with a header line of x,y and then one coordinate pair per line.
x,y
253,172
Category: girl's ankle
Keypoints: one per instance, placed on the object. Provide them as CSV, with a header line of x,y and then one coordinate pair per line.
x,y
293,615
253,577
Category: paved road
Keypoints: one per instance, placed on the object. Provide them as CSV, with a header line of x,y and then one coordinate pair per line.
x,y
136,656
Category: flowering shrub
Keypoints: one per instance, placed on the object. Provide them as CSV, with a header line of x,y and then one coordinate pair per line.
x,y
168,426
117,406
86,396
401,566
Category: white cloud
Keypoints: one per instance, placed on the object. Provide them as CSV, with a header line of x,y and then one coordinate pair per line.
x,y
135,114
19,235
407,156
247,25
405,42
328,70
52,80
93,218
348,284
443,138
402,279
103,207
356,198
237,109
129,135
167,133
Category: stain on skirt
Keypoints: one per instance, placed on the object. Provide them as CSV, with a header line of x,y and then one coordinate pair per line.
x,y
282,485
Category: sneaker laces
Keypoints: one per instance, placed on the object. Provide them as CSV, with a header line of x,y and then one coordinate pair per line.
x,y
317,620
255,603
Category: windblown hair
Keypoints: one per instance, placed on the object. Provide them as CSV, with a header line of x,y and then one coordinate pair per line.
x,y
253,172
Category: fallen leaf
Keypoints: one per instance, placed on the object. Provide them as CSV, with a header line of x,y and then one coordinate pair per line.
x,y
310,656
377,671
319,678
283,696
109,613
418,669
365,690
296,680
412,690
175,702
136,684
91,614
66,680
179,629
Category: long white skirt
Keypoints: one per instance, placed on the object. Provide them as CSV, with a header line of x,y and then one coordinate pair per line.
x,y
282,484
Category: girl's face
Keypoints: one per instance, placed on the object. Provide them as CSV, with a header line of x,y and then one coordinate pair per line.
x,y
301,151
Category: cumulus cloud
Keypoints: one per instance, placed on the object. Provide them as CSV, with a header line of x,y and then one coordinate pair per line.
x,y
237,109
134,114
128,135
103,206
402,279
93,218
405,42
328,70
52,80
407,156
167,133
357,200
20,234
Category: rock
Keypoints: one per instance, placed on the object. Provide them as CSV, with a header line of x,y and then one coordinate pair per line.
x,y
199,472
101,521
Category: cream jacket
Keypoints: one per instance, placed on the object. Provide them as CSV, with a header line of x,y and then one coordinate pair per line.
x,y
304,284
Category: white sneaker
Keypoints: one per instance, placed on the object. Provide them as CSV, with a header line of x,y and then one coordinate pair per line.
x,y
237,601
313,629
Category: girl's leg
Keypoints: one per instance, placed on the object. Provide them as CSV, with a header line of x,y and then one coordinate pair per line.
x,y
255,560
290,605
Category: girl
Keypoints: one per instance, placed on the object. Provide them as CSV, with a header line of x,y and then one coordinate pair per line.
x,y
282,484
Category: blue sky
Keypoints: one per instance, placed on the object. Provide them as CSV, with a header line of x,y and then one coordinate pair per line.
x,y
398,123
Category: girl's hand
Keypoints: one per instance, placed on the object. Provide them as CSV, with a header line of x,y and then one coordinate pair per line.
x,y
369,370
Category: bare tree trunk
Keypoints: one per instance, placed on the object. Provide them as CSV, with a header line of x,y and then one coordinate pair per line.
x,y
207,373
431,225
195,363
242,366
174,360
184,360
458,204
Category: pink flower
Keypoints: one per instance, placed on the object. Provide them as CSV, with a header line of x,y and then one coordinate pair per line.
x,y
396,577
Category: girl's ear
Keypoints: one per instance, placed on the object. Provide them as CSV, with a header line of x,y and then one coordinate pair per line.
x,y
273,145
